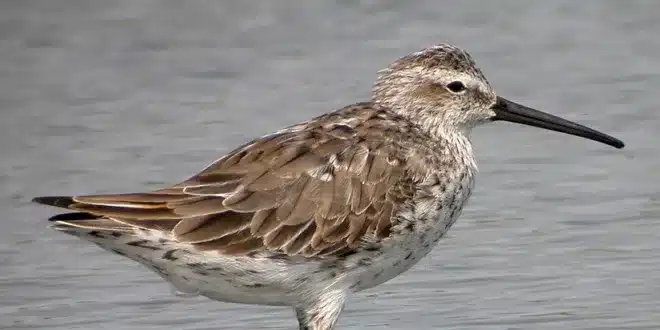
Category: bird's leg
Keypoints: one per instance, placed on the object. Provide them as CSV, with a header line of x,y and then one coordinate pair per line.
x,y
320,313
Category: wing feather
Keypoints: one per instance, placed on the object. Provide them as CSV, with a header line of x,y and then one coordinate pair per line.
x,y
318,189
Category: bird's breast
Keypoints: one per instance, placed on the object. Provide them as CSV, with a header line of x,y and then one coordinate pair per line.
x,y
418,228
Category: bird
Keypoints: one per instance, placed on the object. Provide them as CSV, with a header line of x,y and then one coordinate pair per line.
x,y
309,215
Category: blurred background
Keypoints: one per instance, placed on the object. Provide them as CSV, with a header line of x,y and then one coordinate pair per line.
x,y
116,96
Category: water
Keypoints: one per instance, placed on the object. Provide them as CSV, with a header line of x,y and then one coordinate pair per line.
x,y
115,96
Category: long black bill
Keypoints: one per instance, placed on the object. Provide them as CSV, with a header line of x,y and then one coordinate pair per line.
x,y
517,113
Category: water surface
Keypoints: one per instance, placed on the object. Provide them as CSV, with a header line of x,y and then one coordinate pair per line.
x,y
114,96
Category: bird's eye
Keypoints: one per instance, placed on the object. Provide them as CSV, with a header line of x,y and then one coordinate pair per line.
x,y
456,87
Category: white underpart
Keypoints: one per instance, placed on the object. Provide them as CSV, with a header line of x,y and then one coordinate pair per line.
x,y
229,279
267,281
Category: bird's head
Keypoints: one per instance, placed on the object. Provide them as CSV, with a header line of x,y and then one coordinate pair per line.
x,y
441,89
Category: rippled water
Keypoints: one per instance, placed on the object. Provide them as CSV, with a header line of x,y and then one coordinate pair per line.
x,y
114,96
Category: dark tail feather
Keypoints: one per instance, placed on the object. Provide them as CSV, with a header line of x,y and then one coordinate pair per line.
x,y
63,202
116,215
74,216
77,221
58,201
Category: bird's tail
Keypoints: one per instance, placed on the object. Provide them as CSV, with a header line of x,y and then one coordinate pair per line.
x,y
78,222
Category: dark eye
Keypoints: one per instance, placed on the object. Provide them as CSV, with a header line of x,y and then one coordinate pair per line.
x,y
456,86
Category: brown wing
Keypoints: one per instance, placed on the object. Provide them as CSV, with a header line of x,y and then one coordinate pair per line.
x,y
311,192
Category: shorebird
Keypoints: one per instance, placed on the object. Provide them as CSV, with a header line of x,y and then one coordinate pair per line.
x,y
308,215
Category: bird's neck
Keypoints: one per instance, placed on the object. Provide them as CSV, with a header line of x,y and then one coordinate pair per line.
x,y
453,142
456,144
448,144
439,125
441,129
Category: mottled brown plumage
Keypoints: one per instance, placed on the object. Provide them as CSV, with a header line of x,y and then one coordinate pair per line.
x,y
338,204
320,188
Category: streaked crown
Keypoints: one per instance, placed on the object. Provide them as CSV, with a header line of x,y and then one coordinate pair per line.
x,y
439,87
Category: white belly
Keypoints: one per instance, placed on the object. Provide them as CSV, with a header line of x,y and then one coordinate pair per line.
x,y
230,279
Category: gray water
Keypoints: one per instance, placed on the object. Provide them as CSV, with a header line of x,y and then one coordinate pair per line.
x,y
116,96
